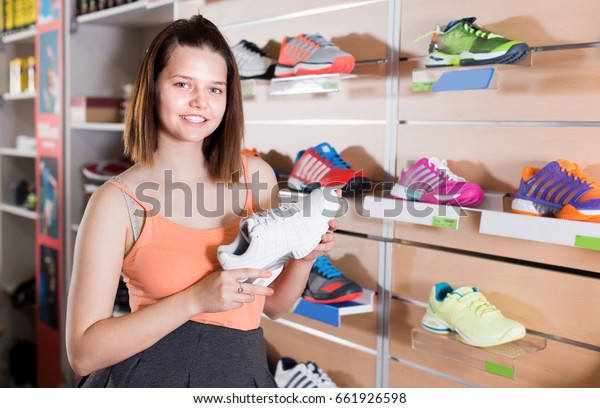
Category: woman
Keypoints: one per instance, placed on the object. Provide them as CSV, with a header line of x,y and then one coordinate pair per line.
x,y
159,225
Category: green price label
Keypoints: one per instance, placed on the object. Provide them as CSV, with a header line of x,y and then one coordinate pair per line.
x,y
587,242
441,222
499,369
422,86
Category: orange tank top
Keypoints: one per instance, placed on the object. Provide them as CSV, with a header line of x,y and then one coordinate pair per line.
x,y
168,257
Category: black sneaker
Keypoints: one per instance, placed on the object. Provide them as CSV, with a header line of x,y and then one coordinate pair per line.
x,y
327,284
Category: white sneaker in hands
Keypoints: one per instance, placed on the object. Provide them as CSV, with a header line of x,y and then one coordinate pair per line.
x,y
270,238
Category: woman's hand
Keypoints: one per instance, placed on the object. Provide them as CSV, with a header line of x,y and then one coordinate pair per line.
x,y
224,290
325,245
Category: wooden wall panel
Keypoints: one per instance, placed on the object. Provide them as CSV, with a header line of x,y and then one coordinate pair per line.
x,y
468,238
558,365
280,144
545,301
358,99
494,156
560,86
403,376
514,19
346,367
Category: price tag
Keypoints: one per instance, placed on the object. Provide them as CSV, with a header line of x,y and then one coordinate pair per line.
x,y
442,222
582,241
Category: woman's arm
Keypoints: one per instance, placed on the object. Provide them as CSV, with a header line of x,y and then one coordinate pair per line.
x,y
290,284
95,339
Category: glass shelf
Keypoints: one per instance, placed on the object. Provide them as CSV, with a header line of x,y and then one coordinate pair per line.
x,y
440,79
499,360
331,313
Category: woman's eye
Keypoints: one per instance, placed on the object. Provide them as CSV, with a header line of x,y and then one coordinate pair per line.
x,y
181,85
217,90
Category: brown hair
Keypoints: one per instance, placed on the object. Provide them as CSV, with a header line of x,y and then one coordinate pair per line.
x,y
222,148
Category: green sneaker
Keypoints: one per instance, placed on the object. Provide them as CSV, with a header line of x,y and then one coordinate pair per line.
x,y
466,312
462,42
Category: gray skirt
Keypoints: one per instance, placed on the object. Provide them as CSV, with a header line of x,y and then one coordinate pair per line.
x,y
194,355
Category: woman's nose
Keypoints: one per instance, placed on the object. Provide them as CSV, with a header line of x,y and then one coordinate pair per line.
x,y
198,99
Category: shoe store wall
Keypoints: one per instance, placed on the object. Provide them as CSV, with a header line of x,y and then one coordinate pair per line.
x,y
541,109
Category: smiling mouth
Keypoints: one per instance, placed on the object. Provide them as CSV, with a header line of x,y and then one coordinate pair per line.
x,y
194,119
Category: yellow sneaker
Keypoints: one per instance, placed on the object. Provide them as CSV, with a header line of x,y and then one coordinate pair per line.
x,y
466,312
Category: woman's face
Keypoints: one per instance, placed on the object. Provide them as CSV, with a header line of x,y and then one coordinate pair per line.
x,y
191,94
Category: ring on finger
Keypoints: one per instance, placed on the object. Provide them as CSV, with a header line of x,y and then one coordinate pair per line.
x,y
240,289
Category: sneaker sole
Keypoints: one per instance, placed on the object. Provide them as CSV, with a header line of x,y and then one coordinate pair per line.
x,y
339,65
401,192
513,55
529,207
345,298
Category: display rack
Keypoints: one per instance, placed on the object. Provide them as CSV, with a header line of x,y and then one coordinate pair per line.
x,y
442,79
499,360
441,216
540,229
333,312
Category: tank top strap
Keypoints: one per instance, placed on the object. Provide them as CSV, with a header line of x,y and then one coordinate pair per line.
x,y
120,184
248,205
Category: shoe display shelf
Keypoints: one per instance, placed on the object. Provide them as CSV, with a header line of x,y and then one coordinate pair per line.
x,y
321,83
332,313
499,360
465,78
433,215
578,234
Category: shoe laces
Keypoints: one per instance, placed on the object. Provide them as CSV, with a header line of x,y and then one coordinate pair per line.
x,y
319,40
322,379
478,31
334,158
250,46
323,267
478,303
578,174
442,166
273,216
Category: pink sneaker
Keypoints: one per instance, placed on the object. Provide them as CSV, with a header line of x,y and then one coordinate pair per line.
x,y
430,180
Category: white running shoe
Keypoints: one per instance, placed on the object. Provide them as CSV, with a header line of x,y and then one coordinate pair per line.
x,y
252,62
270,238
291,374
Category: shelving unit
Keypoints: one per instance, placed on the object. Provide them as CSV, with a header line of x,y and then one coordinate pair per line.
x,y
17,224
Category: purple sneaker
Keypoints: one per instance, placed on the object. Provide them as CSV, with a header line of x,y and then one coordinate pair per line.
x,y
559,189
430,180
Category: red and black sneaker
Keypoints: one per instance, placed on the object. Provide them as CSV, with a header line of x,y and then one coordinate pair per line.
x,y
322,166
96,173
327,284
